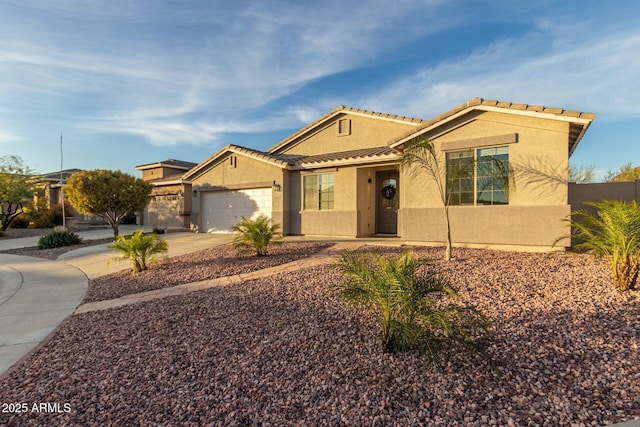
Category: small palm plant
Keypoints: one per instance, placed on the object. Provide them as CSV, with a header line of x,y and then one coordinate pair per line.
x,y
255,234
612,232
410,304
140,249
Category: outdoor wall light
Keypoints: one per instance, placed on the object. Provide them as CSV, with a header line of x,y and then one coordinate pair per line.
x,y
369,180
276,187
195,193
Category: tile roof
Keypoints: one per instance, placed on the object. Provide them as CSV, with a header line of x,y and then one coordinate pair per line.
x,y
364,154
580,120
178,164
55,176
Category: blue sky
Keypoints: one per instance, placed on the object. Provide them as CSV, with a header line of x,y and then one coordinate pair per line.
x,y
132,82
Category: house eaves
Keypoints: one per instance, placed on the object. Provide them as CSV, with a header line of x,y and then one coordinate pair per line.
x,y
579,121
175,164
317,125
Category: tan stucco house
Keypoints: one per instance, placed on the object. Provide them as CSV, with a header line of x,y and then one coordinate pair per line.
x,y
338,177
170,202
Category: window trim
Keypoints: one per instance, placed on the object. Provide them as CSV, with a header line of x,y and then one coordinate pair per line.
x,y
450,194
318,201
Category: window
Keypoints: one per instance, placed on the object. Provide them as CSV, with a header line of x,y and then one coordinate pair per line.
x,y
484,184
344,127
492,176
318,191
460,177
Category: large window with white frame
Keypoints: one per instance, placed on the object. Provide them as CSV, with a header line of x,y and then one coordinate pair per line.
x,y
478,177
318,191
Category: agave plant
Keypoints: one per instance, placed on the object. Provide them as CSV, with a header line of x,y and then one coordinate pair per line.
x,y
613,232
255,234
415,309
140,249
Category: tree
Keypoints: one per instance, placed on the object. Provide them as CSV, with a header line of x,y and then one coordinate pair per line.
x,y
625,173
255,234
582,174
421,159
613,233
140,249
111,195
412,305
17,188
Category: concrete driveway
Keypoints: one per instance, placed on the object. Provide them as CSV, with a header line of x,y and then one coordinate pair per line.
x,y
36,295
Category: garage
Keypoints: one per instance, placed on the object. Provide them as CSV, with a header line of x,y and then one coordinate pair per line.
x,y
221,210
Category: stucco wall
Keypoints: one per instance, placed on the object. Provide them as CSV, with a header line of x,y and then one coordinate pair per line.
x,y
538,197
365,133
597,192
523,227
237,171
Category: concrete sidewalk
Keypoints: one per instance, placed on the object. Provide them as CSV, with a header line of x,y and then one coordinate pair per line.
x,y
35,296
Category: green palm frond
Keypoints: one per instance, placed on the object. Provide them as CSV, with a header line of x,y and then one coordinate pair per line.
x,y
408,303
256,234
142,250
613,232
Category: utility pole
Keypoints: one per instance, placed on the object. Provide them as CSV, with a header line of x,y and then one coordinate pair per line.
x,y
64,217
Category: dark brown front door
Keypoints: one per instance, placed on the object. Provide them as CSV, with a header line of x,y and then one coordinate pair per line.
x,y
388,197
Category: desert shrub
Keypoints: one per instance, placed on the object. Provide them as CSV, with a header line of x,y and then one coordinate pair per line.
x,y
255,234
56,239
613,232
20,221
43,217
415,309
140,249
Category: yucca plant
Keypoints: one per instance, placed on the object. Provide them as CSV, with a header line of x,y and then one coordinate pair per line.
x,y
255,234
415,309
140,249
613,232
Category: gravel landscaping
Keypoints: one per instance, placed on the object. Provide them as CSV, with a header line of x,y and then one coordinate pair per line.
x,y
285,351
219,261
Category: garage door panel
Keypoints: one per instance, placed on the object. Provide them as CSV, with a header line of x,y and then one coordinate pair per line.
x,y
221,210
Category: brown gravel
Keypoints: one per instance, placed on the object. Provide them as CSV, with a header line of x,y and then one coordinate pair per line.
x,y
219,261
284,351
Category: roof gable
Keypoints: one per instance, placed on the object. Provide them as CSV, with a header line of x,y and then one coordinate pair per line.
x,y
320,123
211,161
579,121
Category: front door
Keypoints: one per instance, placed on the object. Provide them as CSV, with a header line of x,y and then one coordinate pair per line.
x,y
388,198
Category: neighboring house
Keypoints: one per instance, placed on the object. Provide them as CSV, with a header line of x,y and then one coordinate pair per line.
x,y
338,177
51,184
170,204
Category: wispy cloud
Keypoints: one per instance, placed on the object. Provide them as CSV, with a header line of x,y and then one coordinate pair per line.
x,y
594,69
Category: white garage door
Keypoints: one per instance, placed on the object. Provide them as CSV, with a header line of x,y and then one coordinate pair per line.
x,y
221,210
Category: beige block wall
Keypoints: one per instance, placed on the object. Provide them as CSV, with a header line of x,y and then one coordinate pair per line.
x,y
366,132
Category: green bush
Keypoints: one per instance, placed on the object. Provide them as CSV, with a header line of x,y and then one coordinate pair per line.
x,y
613,232
57,239
140,249
412,305
255,234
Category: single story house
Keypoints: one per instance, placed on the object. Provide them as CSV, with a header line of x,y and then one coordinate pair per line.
x,y
338,177
170,202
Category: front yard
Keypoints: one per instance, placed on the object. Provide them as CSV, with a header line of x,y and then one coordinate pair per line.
x,y
285,351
